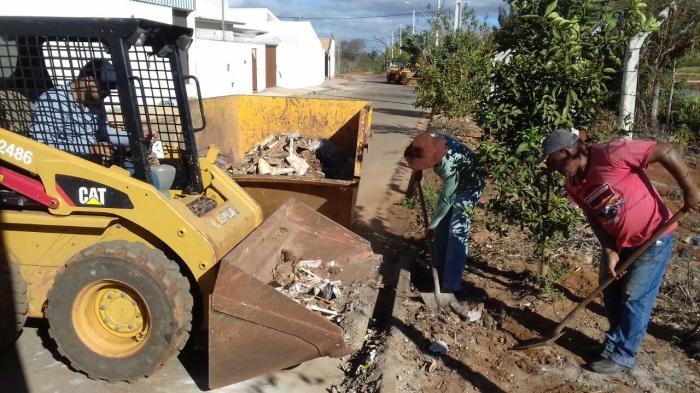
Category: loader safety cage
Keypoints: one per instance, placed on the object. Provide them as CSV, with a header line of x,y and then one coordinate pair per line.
x,y
41,60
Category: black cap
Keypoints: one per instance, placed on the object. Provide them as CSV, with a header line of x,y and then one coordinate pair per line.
x,y
557,140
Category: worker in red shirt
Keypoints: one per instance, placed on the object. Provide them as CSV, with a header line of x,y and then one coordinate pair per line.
x,y
610,185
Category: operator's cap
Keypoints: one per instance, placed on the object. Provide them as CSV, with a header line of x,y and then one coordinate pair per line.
x,y
103,72
557,140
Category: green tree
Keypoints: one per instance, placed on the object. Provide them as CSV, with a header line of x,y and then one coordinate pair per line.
x,y
455,75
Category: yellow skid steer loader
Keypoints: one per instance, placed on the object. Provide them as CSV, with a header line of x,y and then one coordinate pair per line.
x,y
119,249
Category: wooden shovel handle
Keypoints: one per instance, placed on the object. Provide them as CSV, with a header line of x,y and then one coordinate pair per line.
x,y
657,234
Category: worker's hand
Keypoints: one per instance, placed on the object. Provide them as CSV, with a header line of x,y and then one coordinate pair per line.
x,y
153,136
692,200
611,258
429,233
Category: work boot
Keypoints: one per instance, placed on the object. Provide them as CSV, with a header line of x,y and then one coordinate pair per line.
x,y
457,308
607,366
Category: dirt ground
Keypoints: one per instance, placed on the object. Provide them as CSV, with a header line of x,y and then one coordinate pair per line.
x,y
501,280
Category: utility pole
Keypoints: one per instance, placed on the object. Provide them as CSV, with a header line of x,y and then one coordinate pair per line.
x,y
223,20
400,38
413,32
458,14
392,44
437,23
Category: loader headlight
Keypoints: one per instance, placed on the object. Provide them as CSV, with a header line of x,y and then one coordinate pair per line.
x,y
183,42
137,38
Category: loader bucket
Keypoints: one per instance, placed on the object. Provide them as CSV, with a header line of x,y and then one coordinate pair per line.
x,y
253,328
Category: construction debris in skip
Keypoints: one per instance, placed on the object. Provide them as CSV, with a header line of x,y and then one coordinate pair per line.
x,y
293,155
282,155
309,283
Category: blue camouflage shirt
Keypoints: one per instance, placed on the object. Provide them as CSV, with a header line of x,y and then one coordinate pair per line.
x,y
463,178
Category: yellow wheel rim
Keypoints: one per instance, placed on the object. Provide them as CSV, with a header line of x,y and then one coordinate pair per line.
x,y
111,318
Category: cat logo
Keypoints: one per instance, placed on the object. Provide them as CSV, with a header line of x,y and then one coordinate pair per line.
x,y
93,196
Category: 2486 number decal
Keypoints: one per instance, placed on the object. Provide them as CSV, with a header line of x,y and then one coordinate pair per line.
x,y
16,152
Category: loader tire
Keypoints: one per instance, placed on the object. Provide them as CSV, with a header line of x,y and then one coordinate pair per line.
x,y
118,311
13,304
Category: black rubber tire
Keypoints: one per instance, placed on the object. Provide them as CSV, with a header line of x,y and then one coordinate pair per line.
x,y
148,272
13,304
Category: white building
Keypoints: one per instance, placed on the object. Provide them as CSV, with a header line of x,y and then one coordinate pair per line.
x,y
165,11
253,49
227,59
328,45
299,56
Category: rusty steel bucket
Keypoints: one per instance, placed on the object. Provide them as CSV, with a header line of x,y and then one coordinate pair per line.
x,y
254,329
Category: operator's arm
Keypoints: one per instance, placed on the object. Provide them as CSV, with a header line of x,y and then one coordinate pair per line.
x,y
117,138
671,159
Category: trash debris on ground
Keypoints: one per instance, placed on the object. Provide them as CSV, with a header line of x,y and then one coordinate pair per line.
x,y
693,240
438,347
292,155
474,315
309,283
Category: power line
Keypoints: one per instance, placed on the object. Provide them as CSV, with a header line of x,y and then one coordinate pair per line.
x,y
345,17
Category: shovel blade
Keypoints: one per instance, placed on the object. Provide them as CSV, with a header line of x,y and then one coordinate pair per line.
x,y
537,342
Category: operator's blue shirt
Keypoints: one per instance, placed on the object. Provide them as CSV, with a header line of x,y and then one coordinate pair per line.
x,y
59,120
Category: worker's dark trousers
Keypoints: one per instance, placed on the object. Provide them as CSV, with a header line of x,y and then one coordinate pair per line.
x,y
630,300
450,244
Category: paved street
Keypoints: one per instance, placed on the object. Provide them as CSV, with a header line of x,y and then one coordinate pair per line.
x,y
35,366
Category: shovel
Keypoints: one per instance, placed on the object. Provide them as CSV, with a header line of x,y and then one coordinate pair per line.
x,y
437,299
558,330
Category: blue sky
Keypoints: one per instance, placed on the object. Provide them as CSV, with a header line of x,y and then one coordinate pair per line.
x,y
372,30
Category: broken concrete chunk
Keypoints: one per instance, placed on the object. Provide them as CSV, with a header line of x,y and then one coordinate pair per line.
x,y
299,164
693,240
281,171
438,347
474,315
264,167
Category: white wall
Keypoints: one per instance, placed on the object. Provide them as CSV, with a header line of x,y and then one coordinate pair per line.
x,y
331,53
225,68
300,56
86,8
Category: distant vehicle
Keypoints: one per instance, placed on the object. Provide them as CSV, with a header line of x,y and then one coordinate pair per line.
x,y
392,72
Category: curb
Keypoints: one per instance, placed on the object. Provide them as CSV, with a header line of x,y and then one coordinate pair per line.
x,y
389,370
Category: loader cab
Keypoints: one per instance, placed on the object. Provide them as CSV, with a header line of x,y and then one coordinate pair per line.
x,y
39,56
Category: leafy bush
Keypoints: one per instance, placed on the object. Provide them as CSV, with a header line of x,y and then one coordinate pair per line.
x,y
685,110
455,75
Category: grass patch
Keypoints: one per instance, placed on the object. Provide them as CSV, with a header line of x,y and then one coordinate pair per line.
x,y
409,203
431,195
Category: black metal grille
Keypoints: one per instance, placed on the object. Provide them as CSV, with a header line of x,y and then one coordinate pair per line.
x,y
99,96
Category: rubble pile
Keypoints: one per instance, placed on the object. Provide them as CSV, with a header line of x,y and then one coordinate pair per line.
x,y
293,155
282,155
309,283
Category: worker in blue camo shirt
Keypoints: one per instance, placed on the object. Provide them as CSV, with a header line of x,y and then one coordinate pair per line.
x,y
463,182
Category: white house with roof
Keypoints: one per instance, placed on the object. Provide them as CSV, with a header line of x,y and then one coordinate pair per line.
x,y
300,58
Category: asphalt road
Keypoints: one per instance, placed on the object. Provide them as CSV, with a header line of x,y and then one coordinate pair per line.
x,y
35,366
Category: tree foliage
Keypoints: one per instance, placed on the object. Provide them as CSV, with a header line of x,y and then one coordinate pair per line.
x,y
555,62
455,75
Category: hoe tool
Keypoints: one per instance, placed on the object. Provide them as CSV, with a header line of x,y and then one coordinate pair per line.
x,y
558,330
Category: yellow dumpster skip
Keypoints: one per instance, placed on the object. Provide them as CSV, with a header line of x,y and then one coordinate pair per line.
x,y
236,123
